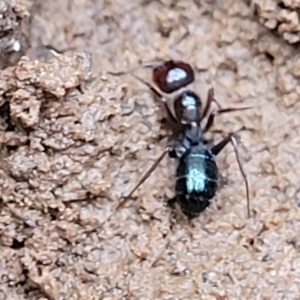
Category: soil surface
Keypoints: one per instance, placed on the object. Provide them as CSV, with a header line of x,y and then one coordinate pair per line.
x,y
74,139
280,17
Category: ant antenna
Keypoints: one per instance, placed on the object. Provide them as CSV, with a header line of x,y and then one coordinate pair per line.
x,y
150,64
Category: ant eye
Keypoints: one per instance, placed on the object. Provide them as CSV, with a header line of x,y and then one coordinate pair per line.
x,y
173,75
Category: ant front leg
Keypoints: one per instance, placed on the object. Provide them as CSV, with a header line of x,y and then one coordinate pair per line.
x,y
210,99
219,147
211,118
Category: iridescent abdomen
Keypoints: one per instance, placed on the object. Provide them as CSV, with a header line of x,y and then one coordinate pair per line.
x,y
197,180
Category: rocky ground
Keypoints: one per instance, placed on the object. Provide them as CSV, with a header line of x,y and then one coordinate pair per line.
x,y
74,139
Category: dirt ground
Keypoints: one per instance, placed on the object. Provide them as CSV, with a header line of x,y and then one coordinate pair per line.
x,y
75,139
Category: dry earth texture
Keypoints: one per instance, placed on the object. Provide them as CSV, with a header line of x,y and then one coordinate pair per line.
x,y
74,139
281,17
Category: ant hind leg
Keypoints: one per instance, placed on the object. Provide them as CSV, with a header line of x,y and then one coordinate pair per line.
x,y
219,147
171,202
145,176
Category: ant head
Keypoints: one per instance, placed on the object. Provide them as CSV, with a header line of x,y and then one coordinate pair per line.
x,y
187,107
173,75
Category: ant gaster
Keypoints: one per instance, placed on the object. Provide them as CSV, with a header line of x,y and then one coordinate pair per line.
x,y
197,171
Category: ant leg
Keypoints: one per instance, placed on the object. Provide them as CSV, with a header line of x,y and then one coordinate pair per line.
x,y
230,138
149,85
217,102
171,202
211,94
146,175
151,64
211,118
210,99
219,147
170,118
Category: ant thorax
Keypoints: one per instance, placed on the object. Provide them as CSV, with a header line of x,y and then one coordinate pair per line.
x,y
187,107
188,137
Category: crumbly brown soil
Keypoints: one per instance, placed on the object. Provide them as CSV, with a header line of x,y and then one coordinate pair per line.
x,y
75,139
281,17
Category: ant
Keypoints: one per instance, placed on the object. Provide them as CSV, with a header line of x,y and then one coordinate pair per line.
x,y
197,172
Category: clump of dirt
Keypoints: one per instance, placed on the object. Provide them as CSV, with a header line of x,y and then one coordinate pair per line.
x,y
14,30
54,145
281,17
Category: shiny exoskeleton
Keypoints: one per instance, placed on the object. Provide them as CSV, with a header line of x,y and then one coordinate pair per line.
x,y
196,174
197,171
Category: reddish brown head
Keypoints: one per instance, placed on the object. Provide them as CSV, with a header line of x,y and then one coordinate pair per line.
x,y
173,75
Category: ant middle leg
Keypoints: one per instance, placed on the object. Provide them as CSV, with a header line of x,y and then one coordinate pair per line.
x,y
209,100
219,147
211,118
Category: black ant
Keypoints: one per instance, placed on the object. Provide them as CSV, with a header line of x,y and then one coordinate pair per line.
x,y
197,171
